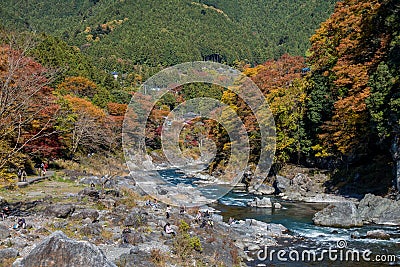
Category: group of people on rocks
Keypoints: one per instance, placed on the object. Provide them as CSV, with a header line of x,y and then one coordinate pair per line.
x,y
204,219
154,204
42,168
21,175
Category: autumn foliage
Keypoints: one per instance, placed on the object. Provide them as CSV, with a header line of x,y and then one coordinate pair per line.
x,y
27,106
347,49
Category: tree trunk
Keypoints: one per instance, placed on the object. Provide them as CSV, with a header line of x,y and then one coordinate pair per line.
x,y
397,178
396,159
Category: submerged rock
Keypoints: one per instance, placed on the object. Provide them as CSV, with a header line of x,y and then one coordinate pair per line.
x,y
342,214
59,250
378,234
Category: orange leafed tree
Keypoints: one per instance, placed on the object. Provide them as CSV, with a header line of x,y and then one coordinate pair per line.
x,y
27,106
84,124
282,83
342,50
79,86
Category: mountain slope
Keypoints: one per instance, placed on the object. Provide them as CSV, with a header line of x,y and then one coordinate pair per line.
x,y
167,32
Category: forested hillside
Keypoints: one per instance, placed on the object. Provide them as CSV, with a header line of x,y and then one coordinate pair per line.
x,y
337,108
151,32
283,26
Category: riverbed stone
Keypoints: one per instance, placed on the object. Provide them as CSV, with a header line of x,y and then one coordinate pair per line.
x,y
91,229
343,214
252,247
90,192
135,219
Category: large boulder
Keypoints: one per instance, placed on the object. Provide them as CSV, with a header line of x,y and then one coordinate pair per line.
x,y
342,214
261,203
281,183
135,219
131,237
59,250
379,210
90,192
91,229
86,213
88,180
59,210
264,190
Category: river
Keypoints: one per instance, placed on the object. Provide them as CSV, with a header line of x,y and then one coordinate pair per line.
x,y
297,217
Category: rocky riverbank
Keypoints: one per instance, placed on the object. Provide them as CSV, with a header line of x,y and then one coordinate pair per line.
x,y
92,221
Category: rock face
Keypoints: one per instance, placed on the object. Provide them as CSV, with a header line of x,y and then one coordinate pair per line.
x,y
379,210
59,211
59,250
343,214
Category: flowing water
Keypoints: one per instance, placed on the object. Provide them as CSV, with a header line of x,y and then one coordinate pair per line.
x,y
297,217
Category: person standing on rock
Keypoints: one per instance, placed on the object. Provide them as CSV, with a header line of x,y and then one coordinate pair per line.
x,y
5,212
182,210
168,212
39,169
23,176
19,174
44,167
198,217
125,235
